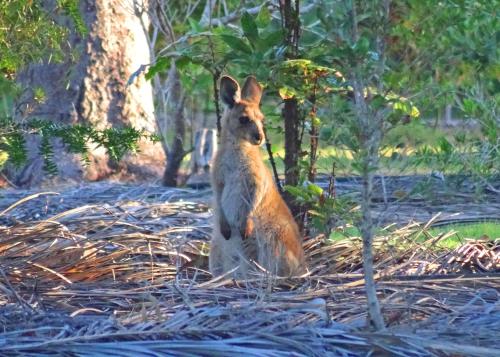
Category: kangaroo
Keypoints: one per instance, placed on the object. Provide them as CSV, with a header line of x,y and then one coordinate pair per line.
x,y
252,221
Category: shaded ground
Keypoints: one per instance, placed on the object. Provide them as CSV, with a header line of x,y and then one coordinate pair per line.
x,y
121,270
403,199
398,199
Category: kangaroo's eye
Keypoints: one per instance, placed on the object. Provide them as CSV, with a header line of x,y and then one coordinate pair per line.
x,y
244,120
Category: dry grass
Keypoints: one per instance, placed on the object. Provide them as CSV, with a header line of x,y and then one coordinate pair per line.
x,y
121,270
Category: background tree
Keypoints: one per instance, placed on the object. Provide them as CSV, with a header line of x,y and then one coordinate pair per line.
x,y
89,85
290,18
453,58
170,99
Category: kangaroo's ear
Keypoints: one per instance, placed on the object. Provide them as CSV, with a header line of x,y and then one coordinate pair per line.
x,y
229,91
252,91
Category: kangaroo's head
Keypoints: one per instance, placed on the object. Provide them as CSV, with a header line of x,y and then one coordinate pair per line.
x,y
243,120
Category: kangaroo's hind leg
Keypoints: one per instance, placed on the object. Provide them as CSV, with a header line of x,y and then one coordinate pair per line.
x,y
226,255
216,259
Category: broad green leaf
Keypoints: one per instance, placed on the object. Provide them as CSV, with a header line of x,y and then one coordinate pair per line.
x,y
161,65
315,189
295,191
298,192
236,43
263,18
469,106
249,28
297,63
271,40
287,93
407,108
361,46
325,134
444,145
182,62
414,112
316,121
378,102
4,156
195,25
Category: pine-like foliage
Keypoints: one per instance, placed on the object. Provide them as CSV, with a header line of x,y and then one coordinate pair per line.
x,y
76,138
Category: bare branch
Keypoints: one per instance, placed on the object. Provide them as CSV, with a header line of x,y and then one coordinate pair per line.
x,y
231,17
191,9
206,16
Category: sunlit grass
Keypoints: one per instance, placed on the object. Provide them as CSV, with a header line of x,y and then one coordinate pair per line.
x,y
456,234
393,161
398,154
345,233
461,232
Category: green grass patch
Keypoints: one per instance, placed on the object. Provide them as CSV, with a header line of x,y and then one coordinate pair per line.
x,y
398,154
401,152
345,233
461,232
456,234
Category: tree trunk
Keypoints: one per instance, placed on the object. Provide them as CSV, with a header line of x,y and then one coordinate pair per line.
x,y
290,115
174,114
370,125
92,89
290,112
374,312
313,135
202,158
176,153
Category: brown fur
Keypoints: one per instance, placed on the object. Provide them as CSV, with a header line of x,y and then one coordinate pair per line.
x,y
252,222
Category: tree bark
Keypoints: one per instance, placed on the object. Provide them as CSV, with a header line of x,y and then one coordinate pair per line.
x,y
374,311
290,115
313,135
371,136
172,112
290,112
370,126
175,152
91,88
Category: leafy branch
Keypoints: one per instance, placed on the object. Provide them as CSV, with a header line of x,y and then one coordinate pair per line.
x,y
76,138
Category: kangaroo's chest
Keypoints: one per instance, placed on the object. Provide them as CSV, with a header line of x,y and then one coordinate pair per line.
x,y
242,187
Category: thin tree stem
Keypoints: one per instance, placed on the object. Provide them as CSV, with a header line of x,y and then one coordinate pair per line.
x,y
370,142
313,134
273,163
215,78
374,312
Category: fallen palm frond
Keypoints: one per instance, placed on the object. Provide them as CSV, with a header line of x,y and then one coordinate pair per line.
x,y
129,277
